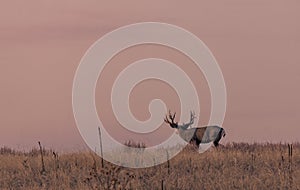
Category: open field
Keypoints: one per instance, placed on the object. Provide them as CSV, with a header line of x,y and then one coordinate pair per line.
x,y
233,166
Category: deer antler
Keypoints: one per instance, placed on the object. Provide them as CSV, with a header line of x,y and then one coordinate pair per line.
x,y
170,120
192,118
171,117
187,125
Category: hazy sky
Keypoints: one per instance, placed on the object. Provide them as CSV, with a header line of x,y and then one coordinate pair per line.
x,y
256,43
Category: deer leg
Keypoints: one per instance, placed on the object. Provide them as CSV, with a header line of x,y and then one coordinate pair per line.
x,y
216,143
198,143
217,140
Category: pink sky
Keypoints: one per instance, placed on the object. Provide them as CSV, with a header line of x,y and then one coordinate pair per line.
x,y
256,43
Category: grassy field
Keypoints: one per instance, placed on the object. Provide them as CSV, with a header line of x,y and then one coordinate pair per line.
x,y
233,166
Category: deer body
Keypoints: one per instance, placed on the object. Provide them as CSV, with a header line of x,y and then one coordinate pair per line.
x,y
197,135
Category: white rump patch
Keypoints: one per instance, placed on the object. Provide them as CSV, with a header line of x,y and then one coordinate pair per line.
x,y
204,147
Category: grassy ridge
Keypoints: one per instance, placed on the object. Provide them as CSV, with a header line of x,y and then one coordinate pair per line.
x,y
234,166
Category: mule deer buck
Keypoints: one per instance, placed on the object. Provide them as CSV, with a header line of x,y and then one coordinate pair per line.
x,y
196,135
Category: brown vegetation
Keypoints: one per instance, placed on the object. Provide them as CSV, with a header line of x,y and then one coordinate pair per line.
x,y
234,166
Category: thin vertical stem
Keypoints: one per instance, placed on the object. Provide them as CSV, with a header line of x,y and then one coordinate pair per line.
x,y
290,146
168,162
101,151
42,157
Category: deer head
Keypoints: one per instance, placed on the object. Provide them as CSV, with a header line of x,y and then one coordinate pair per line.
x,y
170,120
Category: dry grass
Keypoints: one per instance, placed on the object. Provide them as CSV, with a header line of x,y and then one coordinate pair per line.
x,y
234,166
